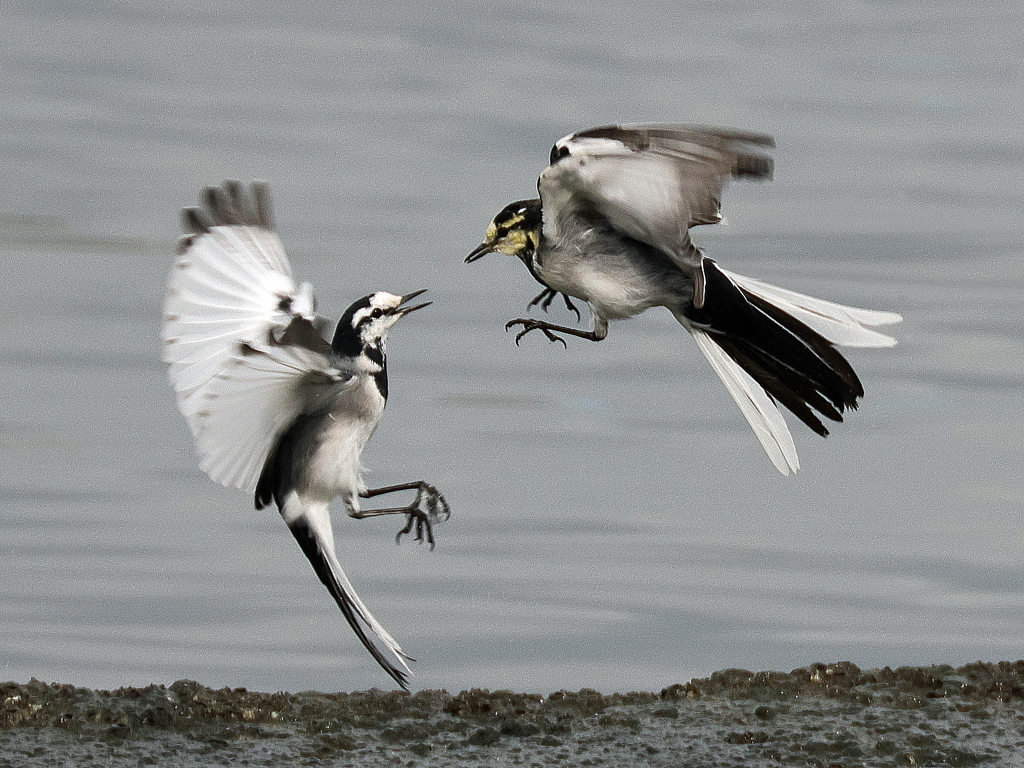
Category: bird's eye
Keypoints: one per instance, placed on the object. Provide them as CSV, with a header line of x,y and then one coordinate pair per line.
x,y
557,153
377,312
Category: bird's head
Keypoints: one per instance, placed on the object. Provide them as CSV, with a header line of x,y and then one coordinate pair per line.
x,y
515,231
366,323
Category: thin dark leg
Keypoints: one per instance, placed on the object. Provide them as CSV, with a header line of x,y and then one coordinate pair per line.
x,y
549,330
369,493
570,306
545,297
437,510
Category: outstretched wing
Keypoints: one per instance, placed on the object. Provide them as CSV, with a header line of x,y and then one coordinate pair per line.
x,y
650,182
231,302
239,414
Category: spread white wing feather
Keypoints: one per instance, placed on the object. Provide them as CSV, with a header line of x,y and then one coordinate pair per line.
x,y
227,288
240,413
229,295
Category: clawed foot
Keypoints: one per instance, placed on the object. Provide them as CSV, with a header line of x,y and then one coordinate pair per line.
x,y
533,325
437,511
545,297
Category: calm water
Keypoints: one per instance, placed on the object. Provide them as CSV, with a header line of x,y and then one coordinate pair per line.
x,y
615,523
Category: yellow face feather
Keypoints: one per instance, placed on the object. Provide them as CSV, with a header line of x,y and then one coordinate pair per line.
x,y
509,238
515,232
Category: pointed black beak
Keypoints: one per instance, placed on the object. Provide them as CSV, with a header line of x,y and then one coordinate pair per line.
x,y
479,251
409,296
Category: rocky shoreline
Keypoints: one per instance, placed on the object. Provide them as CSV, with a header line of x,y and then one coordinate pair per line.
x,y
820,715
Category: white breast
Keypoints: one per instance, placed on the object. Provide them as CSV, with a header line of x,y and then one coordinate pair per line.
x,y
335,469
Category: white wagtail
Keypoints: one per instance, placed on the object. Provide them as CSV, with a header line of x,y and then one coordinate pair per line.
x,y
611,227
276,408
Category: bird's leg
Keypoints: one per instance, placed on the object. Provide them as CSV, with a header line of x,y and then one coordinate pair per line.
x,y
545,297
570,306
437,510
549,329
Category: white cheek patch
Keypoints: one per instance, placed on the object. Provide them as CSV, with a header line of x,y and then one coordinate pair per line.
x,y
361,315
380,301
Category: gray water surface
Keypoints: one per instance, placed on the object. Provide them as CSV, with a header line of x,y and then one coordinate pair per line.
x,y
615,524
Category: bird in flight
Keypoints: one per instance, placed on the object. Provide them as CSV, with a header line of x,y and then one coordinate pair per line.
x,y
280,405
612,228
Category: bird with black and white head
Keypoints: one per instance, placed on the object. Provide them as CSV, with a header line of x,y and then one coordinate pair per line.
x,y
277,405
612,227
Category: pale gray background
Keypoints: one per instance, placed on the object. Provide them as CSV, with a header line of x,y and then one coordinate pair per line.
x,y
615,523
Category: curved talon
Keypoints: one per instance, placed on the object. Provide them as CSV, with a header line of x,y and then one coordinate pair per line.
x,y
510,323
570,306
545,297
437,511
424,529
551,337
533,325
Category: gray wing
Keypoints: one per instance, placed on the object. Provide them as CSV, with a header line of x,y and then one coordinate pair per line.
x,y
651,182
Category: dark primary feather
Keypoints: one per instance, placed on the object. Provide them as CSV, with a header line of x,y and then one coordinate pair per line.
x,y
797,366
738,146
228,205
223,205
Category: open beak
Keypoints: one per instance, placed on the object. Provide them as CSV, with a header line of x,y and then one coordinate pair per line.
x,y
479,251
407,297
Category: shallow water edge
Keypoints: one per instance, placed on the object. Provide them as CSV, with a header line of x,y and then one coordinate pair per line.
x,y
820,715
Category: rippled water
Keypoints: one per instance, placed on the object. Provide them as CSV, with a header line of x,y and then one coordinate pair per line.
x,y
615,523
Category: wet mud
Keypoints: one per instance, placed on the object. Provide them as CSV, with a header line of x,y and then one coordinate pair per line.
x,y
821,715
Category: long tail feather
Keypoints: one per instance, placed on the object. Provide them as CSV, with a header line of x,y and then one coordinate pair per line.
x,y
756,405
312,530
773,346
842,325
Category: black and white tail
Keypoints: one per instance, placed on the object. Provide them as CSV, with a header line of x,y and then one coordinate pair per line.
x,y
310,523
773,346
